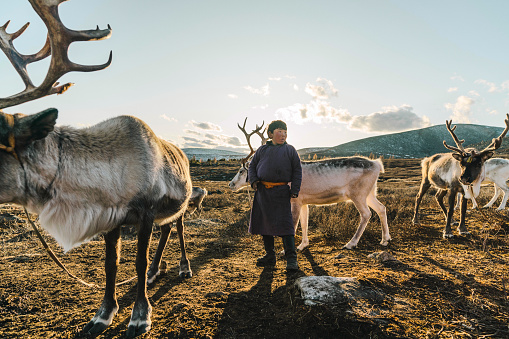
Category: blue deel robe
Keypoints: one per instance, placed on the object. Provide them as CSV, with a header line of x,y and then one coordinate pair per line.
x,y
271,213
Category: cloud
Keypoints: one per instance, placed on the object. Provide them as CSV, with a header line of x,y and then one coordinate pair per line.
x,y
209,140
261,106
295,87
323,91
275,78
491,86
474,93
233,96
190,139
391,119
461,109
193,144
171,119
505,85
222,140
263,91
206,126
189,131
452,89
457,77
317,111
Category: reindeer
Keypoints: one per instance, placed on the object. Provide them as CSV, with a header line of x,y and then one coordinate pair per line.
x,y
497,172
460,172
327,182
83,182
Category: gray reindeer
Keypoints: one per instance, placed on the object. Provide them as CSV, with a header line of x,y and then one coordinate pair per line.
x,y
84,182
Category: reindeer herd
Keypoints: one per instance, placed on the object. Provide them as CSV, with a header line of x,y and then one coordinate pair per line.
x,y
85,182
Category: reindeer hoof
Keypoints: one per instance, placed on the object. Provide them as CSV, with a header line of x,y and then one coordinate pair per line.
x,y
94,328
134,331
185,275
151,277
349,247
464,232
185,269
448,235
385,242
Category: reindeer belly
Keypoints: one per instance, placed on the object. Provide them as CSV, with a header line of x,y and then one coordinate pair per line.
x,y
328,197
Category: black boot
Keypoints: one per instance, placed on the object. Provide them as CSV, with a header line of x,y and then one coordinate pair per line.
x,y
290,253
269,259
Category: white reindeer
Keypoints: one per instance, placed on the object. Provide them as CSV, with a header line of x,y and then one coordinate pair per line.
x,y
497,172
327,182
83,182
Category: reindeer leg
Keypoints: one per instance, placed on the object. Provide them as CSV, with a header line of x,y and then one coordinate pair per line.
x,y
142,310
185,266
495,196
462,229
303,217
380,209
365,214
449,214
425,185
109,307
505,190
154,269
439,197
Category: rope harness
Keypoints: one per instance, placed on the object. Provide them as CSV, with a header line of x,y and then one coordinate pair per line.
x,y
11,149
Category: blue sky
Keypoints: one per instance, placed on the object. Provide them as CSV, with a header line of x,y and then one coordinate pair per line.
x,y
335,71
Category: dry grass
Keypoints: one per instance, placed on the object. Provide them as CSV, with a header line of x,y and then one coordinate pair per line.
x,y
438,288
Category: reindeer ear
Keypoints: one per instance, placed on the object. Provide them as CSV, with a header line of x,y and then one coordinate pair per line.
x,y
36,126
486,155
457,156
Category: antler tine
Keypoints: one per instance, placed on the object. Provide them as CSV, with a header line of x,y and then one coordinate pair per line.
x,y
57,45
261,134
18,60
248,138
458,142
497,142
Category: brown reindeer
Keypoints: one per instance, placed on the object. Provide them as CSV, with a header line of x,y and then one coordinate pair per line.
x,y
83,182
460,172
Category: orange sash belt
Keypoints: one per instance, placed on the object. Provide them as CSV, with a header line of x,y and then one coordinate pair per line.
x,y
269,184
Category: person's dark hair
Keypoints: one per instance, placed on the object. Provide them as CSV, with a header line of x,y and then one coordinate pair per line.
x,y
275,125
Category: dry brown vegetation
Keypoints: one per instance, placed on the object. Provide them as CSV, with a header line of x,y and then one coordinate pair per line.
x,y
437,289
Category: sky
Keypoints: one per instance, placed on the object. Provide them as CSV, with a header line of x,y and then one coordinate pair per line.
x,y
334,71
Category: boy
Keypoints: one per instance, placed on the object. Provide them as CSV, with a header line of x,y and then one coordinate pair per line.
x,y
273,167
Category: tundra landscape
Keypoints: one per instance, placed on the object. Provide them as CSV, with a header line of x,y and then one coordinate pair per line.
x,y
434,288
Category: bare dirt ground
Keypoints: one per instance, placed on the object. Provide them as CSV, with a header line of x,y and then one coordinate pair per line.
x,y
437,289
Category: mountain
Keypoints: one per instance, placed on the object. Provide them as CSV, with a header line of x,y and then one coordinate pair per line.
x,y
207,153
411,144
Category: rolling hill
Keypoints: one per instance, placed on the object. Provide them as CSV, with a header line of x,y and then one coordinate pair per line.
x,y
412,144
417,143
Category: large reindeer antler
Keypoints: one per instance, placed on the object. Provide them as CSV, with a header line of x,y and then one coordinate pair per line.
x,y
248,138
261,134
57,44
497,142
458,142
